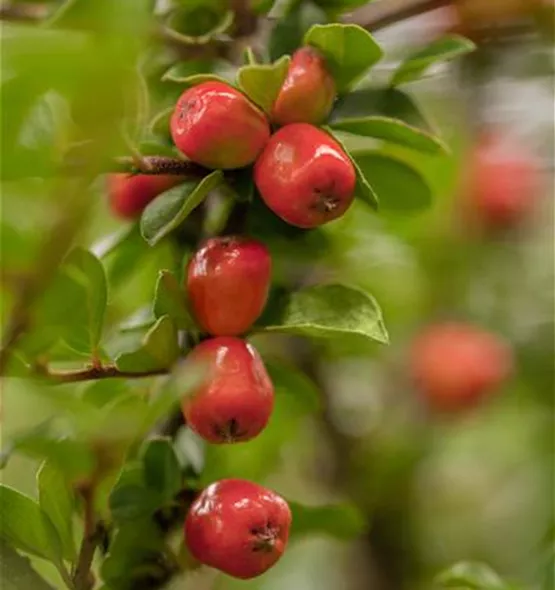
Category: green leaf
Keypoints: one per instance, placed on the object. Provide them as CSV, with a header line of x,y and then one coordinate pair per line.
x,y
393,131
289,381
350,51
173,75
172,207
26,527
57,502
325,311
444,49
161,467
159,349
198,23
470,576
342,521
170,300
399,186
363,189
130,502
86,270
262,83
249,57
17,573
389,102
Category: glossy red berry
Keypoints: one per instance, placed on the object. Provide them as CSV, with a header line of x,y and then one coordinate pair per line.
x,y
238,527
304,176
130,194
456,365
217,126
236,399
227,281
502,183
308,91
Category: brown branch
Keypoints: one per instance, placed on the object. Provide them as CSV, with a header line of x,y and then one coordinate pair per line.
x,y
24,12
94,373
160,165
82,576
388,12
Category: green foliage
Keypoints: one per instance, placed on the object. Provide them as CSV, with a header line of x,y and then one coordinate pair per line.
x,y
398,185
170,300
17,572
350,51
342,521
471,576
262,83
168,211
161,467
324,311
444,49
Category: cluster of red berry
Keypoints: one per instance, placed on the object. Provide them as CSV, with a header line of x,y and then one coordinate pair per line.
x,y
304,177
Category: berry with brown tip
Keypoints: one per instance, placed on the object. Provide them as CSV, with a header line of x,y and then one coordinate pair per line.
x,y
238,527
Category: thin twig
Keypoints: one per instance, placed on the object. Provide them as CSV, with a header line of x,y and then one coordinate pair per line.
x,y
91,539
385,13
94,373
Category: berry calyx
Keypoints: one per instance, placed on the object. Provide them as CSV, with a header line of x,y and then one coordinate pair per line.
x,y
304,176
228,280
129,194
236,399
217,126
238,527
503,182
308,91
457,365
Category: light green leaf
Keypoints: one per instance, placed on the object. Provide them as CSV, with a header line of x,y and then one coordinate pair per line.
x,y
249,57
159,349
350,51
161,467
57,502
399,186
363,189
342,521
325,311
173,75
25,526
170,300
262,83
17,573
171,208
393,131
444,49
130,502
470,576
198,23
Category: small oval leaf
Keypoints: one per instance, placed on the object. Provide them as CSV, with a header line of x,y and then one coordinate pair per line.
x,y
399,186
172,207
350,51
170,300
444,49
161,467
325,311
262,83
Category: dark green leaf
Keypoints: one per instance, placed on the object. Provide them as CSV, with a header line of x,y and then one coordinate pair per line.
x,y
171,208
390,102
289,381
159,349
399,186
363,189
198,23
160,123
161,467
107,244
262,83
350,51
340,6
17,573
444,49
170,300
392,130
470,576
57,502
325,311
26,527
130,502
343,521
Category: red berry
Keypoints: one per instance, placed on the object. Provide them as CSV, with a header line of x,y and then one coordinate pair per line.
x,y
238,527
217,126
304,176
130,194
236,400
308,91
456,365
228,281
503,183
